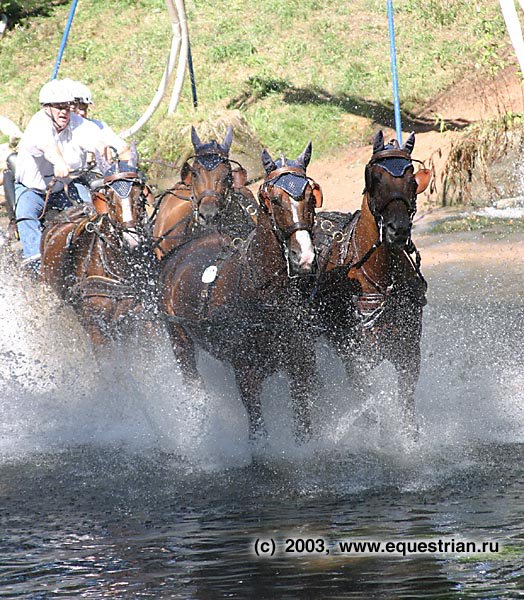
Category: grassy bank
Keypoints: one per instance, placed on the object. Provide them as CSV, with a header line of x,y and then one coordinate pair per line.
x,y
297,70
479,223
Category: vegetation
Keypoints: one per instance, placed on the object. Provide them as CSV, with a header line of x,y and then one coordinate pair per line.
x,y
475,222
297,70
468,173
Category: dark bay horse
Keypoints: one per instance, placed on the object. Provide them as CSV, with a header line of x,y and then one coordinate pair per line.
x,y
371,290
240,302
210,194
100,262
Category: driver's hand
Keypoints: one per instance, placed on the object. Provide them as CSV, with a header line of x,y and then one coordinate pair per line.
x,y
109,154
61,169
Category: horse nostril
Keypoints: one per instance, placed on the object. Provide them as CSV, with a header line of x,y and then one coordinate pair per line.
x,y
398,231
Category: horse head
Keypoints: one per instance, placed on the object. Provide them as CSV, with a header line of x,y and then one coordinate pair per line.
x,y
392,187
209,177
289,197
122,200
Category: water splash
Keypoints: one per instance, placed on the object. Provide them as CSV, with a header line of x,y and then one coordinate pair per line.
x,y
56,394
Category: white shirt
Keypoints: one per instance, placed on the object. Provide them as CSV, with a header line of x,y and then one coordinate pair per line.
x,y
79,137
109,137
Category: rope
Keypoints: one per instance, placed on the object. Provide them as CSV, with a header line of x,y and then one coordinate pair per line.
x,y
64,39
393,57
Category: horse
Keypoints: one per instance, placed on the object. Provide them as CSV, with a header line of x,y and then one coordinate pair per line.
x,y
210,194
98,259
370,290
241,302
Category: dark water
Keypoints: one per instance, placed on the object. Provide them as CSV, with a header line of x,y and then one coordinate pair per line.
x,y
116,483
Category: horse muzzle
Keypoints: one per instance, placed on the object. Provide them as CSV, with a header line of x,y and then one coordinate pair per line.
x,y
209,207
301,254
131,238
397,234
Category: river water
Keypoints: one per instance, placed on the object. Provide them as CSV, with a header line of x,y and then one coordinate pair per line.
x,y
117,483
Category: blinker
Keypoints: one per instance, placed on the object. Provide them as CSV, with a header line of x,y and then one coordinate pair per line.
x,y
317,194
210,161
121,187
422,177
291,183
394,166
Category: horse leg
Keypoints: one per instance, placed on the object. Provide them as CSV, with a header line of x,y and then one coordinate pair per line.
x,y
302,383
407,365
358,364
405,357
96,335
185,354
249,381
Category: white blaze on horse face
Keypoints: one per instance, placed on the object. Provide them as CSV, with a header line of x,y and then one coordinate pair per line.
x,y
306,246
307,251
127,211
130,236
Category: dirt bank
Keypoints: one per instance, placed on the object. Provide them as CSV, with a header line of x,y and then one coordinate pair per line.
x,y
473,99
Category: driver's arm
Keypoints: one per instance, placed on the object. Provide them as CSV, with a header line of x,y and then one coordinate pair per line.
x,y
54,156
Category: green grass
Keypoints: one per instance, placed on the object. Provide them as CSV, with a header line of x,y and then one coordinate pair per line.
x,y
477,223
299,70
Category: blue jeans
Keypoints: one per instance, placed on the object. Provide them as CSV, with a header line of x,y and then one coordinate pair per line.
x,y
29,206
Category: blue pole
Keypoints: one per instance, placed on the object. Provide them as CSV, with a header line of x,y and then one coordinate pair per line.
x,y
393,57
64,39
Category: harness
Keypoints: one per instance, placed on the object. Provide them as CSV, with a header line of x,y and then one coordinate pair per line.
x,y
293,180
371,306
234,197
110,285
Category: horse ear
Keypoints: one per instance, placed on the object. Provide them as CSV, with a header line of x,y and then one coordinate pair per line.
x,y
378,142
226,144
305,157
267,162
133,155
195,140
103,165
410,143
185,173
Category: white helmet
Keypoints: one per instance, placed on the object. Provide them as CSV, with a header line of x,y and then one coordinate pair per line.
x,y
82,93
55,91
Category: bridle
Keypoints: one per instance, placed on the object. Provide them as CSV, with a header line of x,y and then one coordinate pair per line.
x,y
210,161
264,199
111,182
410,203
270,180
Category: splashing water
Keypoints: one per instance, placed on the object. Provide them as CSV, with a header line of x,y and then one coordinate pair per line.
x,y
122,482
58,393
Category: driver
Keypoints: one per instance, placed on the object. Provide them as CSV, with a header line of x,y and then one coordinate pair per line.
x,y
54,143
83,102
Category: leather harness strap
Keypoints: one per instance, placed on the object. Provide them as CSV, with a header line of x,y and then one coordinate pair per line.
x,y
389,154
128,175
284,171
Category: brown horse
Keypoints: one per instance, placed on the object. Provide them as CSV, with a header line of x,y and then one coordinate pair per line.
x,y
100,262
371,291
210,194
241,302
